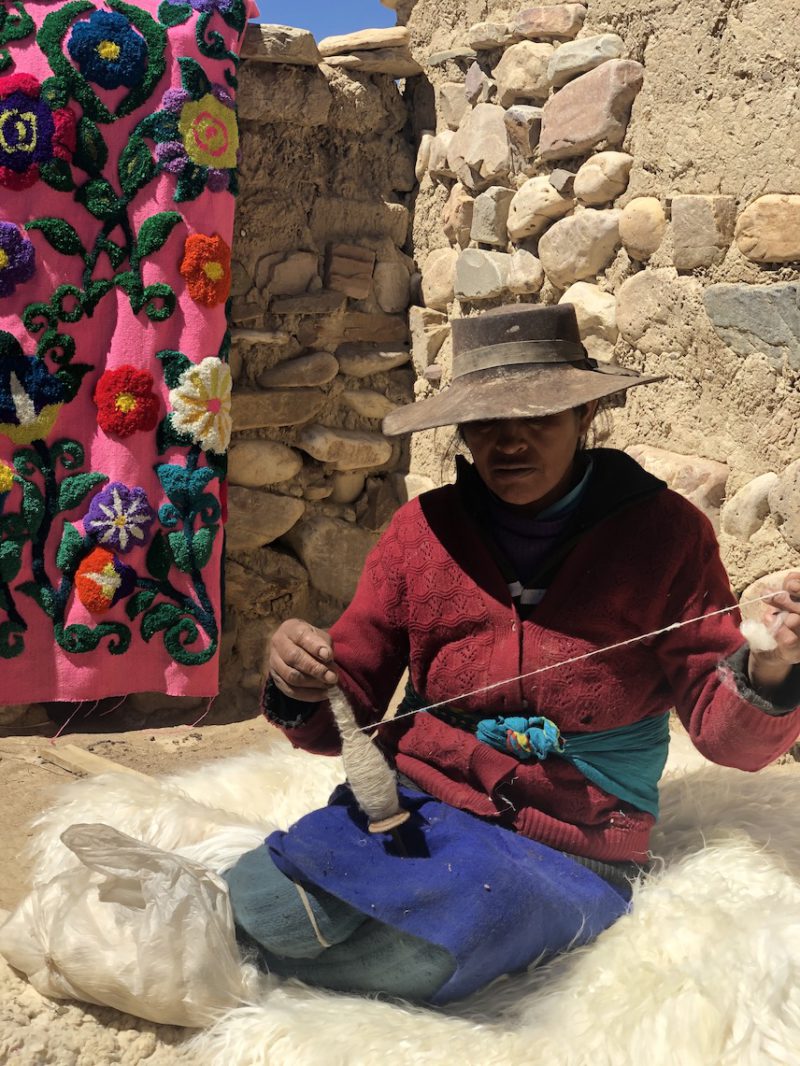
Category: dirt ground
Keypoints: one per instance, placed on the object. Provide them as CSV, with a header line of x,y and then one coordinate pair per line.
x,y
29,779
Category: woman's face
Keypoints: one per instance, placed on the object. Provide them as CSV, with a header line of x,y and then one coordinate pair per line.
x,y
528,461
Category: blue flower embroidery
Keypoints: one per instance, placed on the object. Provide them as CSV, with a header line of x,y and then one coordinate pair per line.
x,y
108,50
30,396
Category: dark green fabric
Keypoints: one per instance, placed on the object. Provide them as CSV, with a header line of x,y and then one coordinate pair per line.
x,y
365,956
267,906
376,959
626,762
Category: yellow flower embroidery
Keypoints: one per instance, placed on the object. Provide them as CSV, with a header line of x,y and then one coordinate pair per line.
x,y
209,132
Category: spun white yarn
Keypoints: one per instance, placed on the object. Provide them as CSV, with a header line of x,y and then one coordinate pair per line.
x,y
588,655
372,780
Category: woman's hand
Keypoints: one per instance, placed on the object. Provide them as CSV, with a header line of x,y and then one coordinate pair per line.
x,y
769,669
301,660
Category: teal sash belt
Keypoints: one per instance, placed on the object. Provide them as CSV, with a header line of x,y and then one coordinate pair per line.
x,y
627,762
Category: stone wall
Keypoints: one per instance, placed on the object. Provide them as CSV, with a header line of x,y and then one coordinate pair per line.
x,y
320,353
639,160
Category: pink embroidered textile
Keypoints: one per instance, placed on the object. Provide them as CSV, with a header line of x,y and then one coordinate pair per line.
x,y
118,152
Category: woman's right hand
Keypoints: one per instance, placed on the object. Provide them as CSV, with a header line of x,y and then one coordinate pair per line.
x,y
301,661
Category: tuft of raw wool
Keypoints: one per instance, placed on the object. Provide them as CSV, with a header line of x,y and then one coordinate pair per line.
x,y
758,635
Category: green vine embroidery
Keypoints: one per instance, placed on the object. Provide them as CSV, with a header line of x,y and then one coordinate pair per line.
x,y
210,43
15,25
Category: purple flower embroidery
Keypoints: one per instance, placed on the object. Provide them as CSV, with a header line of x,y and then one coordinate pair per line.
x,y
17,258
119,517
208,5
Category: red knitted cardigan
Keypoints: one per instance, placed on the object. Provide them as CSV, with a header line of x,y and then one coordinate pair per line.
x,y
432,597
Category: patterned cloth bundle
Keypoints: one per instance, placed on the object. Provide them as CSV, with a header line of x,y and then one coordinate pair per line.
x,y
118,154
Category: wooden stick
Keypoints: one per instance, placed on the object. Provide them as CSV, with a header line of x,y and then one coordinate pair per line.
x,y
77,761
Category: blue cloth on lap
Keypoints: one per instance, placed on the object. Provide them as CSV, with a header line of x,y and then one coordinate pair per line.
x,y
495,900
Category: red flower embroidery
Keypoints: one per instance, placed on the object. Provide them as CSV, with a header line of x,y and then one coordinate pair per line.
x,y
101,580
125,401
32,133
207,268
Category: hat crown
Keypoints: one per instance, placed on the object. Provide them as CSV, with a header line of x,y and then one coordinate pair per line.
x,y
516,323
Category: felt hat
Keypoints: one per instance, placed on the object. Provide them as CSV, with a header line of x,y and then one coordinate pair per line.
x,y
516,361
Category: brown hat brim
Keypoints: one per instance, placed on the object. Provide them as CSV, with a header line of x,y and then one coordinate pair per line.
x,y
512,392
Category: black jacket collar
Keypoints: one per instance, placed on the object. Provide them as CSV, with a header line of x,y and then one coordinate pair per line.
x,y
617,481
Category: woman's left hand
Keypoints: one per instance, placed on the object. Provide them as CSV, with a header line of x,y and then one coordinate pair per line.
x,y
769,669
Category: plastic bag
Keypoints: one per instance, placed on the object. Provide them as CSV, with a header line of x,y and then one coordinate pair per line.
x,y
135,928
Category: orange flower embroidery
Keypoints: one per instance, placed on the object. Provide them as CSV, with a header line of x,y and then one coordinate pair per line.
x,y
207,268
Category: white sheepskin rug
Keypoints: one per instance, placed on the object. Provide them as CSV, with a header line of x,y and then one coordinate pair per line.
x,y
704,971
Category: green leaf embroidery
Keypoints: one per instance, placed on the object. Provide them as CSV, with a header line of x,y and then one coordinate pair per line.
x,y
73,489
181,552
191,183
91,151
155,230
55,92
69,550
136,167
57,174
236,16
32,506
202,544
160,617
99,198
175,364
139,602
168,437
193,78
10,559
160,126
58,233
40,595
173,14
158,559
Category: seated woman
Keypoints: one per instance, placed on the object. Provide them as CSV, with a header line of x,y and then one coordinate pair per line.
x,y
517,598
